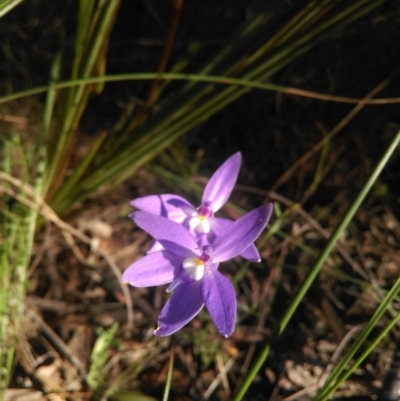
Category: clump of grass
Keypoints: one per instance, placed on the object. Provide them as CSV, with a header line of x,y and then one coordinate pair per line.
x,y
17,235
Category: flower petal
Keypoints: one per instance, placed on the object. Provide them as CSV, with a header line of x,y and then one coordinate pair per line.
x,y
220,299
219,225
241,233
251,253
185,303
221,183
155,247
172,236
155,269
173,207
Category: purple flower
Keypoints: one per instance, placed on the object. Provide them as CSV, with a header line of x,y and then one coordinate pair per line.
x,y
200,221
193,269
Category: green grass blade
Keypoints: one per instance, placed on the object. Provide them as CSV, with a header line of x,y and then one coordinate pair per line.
x,y
17,228
96,376
216,79
7,5
85,12
338,376
169,376
283,322
51,96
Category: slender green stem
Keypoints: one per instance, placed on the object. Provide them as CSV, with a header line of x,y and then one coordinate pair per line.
x,y
317,267
169,376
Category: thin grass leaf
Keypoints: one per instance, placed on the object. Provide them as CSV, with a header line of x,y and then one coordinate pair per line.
x,y
17,227
96,376
169,376
339,375
85,12
221,80
7,5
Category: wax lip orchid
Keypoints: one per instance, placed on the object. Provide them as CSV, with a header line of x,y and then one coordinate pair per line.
x,y
193,269
200,221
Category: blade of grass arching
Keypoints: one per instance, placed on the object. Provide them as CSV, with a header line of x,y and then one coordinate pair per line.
x,y
61,148
7,5
312,274
338,375
221,80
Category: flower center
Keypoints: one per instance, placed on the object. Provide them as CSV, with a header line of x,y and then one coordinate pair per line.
x,y
195,266
200,219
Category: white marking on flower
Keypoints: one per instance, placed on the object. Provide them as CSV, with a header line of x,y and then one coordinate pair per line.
x,y
199,223
194,267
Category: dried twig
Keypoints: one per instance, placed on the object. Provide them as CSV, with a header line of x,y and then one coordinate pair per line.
x,y
222,374
57,341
